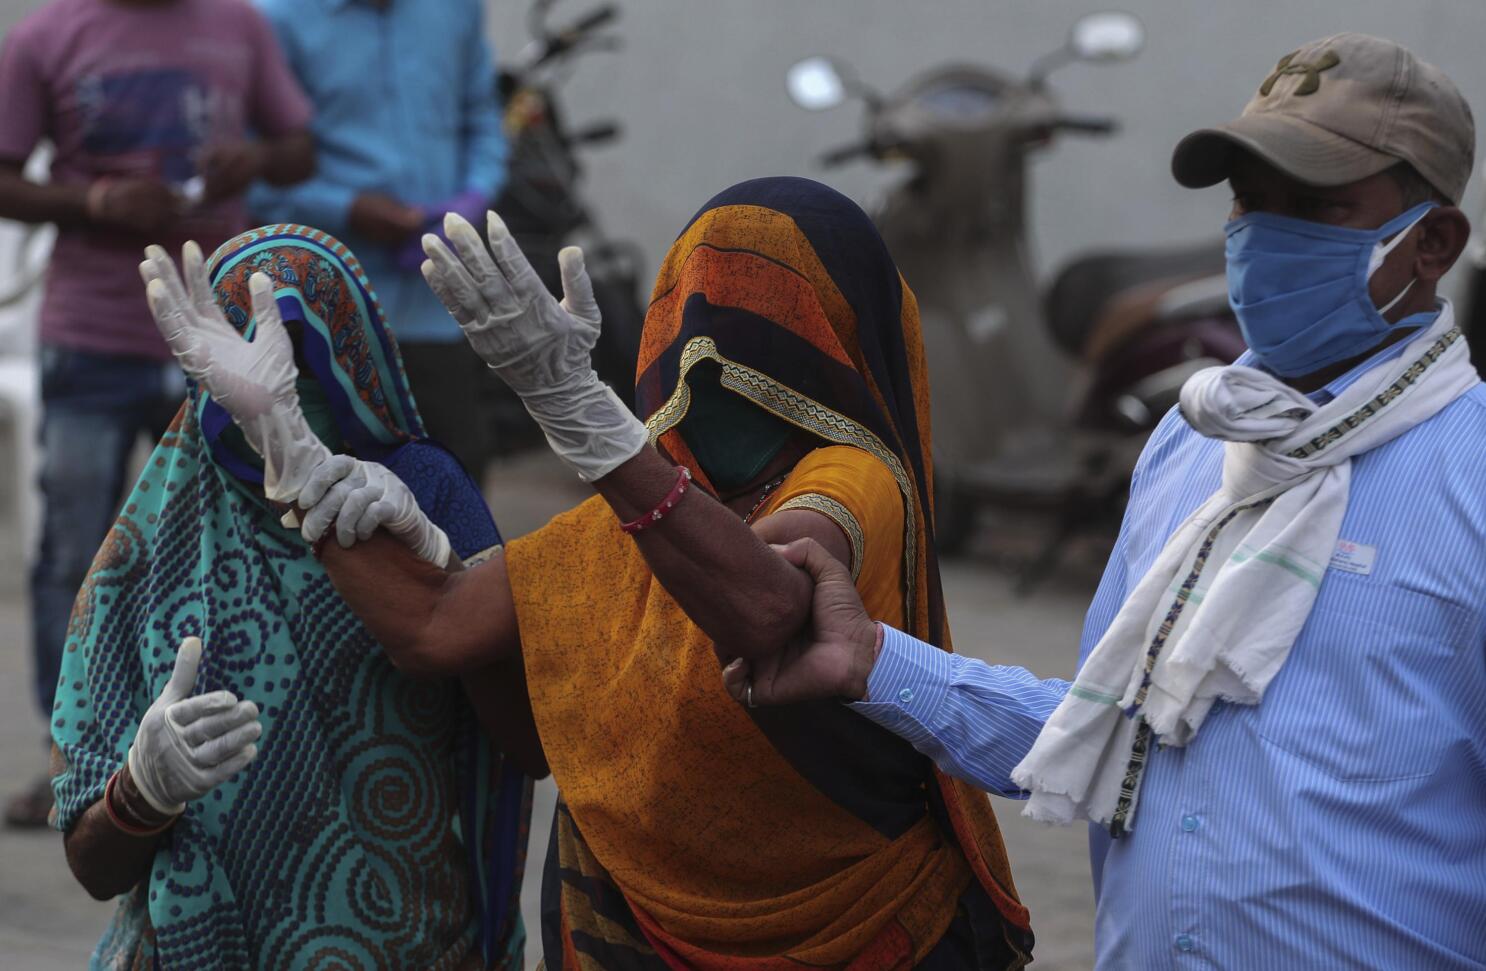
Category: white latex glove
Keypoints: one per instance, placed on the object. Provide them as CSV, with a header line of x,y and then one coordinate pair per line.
x,y
540,347
187,746
361,496
253,381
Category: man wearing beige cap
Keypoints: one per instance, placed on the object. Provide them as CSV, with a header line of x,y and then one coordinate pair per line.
x,y
1284,669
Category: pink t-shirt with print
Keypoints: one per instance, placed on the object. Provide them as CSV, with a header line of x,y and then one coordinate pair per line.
x,y
136,89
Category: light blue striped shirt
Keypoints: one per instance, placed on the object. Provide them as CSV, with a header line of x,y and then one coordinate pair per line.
x,y
1339,824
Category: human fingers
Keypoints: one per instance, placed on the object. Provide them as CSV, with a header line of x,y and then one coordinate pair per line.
x,y
577,288
324,512
379,513
357,504
736,678
815,560
175,327
188,710
223,771
200,294
513,263
322,477
491,280
211,726
183,676
270,332
451,282
215,751
158,265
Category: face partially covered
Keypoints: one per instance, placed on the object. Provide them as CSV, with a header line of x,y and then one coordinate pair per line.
x,y
1366,204
1305,298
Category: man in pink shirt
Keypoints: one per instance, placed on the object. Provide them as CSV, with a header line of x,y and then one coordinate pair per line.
x,y
161,113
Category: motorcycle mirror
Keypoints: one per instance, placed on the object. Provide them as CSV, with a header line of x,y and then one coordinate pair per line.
x,y
1108,36
815,85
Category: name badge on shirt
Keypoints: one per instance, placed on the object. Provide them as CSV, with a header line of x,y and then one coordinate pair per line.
x,y
1351,557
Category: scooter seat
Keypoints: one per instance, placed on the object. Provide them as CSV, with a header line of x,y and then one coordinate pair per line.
x,y
1084,288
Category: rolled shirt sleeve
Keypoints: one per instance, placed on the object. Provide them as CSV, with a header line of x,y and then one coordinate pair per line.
x,y
975,720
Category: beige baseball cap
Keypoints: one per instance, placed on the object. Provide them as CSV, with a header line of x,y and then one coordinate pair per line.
x,y
1339,110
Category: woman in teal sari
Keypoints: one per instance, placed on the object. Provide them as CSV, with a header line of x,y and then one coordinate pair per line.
x,y
375,828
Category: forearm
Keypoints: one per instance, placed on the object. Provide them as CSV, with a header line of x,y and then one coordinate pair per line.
x,y
975,720
738,591
430,621
106,860
288,159
30,202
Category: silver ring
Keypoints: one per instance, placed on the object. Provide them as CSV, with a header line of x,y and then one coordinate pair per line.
x,y
750,695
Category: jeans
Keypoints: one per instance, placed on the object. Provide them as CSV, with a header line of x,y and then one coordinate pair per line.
x,y
93,408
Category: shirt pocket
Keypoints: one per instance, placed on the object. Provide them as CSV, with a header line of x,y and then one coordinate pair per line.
x,y
1361,695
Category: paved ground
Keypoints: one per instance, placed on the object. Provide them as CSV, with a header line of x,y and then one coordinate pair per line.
x,y
47,923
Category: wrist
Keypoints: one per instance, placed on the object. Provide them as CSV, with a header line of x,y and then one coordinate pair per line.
x,y
868,645
95,202
128,809
151,804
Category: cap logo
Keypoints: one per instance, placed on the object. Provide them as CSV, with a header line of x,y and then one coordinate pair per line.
x,y
1312,72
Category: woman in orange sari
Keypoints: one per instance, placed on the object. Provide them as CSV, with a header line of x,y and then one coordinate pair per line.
x,y
782,373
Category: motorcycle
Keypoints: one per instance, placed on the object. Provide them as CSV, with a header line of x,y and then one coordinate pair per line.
x,y
1039,401
543,204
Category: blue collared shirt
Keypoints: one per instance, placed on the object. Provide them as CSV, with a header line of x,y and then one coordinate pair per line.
x,y
1341,823
405,105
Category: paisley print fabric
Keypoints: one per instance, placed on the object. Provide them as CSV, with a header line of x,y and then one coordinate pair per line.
x,y
375,829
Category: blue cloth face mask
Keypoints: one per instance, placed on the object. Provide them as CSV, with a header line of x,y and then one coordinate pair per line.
x,y
1299,288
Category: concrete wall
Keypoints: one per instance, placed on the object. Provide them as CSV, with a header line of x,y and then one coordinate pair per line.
x,y
699,88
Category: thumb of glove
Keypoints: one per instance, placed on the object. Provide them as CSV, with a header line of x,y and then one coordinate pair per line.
x,y
183,679
577,288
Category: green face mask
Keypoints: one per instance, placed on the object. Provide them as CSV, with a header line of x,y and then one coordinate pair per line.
x,y
732,438
316,407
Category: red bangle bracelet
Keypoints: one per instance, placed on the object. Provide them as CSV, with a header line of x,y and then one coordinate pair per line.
x,y
129,828
683,482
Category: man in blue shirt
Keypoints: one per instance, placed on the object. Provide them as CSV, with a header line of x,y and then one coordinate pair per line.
x,y
1320,804
407,127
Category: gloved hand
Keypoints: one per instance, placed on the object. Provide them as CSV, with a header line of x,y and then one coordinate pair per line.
x,y
359,497
538,346
253,381
187,746
469,205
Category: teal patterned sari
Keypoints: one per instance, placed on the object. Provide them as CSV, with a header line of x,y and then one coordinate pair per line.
x,y
376,829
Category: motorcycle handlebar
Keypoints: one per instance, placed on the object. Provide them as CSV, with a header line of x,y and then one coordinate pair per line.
x,y
845,153
596,133
1087,125
565,40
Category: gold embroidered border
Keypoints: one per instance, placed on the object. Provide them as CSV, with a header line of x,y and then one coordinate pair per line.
x,y
841,516
802,412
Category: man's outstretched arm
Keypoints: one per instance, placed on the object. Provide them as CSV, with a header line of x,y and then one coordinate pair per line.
x,y
975,720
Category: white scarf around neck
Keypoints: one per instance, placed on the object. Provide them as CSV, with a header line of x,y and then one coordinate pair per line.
x,y
1216,614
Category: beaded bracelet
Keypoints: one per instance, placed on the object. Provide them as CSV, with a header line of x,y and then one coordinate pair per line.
x,y
683,482
129,828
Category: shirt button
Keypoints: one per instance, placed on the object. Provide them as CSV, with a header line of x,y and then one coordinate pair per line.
x,y
1184,942
1189,823
906,695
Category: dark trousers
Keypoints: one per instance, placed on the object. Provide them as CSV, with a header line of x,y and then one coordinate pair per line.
x,y
452,387
93,409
